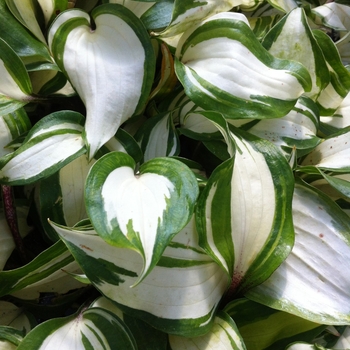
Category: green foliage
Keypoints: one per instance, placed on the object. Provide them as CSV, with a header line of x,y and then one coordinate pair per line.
x,y
174,175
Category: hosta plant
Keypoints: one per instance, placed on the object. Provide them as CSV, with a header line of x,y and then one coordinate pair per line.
x,y
174,174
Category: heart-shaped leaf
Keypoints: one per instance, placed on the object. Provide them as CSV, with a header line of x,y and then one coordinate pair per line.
x,y
111,67
141,211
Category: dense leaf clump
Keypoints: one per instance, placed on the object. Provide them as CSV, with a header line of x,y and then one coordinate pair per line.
x,y
174,174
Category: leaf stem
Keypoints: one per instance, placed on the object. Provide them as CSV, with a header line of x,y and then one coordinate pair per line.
x,y
11,219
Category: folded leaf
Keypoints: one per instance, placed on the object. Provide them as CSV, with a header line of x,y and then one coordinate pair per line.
x,y
244,213
293,32
212,65
111,67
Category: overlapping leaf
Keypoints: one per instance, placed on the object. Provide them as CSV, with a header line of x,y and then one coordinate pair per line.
x,y
179,296
122,55
244,212
309,283
140,211
52,143
212,65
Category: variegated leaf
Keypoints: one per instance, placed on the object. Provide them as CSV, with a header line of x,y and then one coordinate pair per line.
x,y
295,130
291,38
309,283
158,138
212,65
141,211
15,85
334,93
43,274
187,14
93,328
223,335
263,327
179,296
137,7
244,213
122,54
12,126
332,154
52,143
334,15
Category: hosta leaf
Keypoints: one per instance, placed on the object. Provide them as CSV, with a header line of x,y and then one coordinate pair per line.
x,y
15,86
212,66
143,211
332,153
20,40
12,126
124,142
50,8
42,274
284,5
15,317
297,129
223,335
158,137
60,197
334,93
10,337
52,143
168,79
122,54
188,14
308,283
244,213
291,38
7,243
137,7
341,117
159,15
146,337
262,327
334,15
344,340
93,328
26,12
261,25
179,296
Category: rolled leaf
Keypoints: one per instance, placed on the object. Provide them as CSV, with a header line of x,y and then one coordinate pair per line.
x,y
244,213
158,137
52,143
111,67
293,31
309,283
339,86
212,65
179,296
140,211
